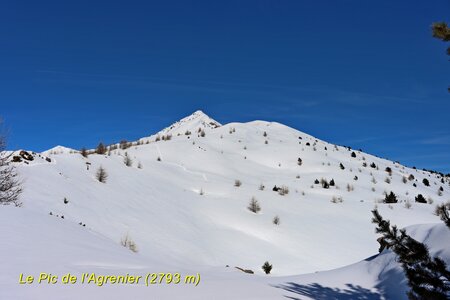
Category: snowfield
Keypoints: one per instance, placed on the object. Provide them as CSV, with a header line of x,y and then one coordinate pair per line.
x,y
180,204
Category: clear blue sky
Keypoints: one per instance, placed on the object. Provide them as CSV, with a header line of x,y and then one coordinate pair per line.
x,y
366,74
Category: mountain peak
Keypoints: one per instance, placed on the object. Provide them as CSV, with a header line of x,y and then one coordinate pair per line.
x,y
191,123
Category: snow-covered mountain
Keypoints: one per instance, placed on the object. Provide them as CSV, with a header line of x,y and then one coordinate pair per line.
x,y
184,202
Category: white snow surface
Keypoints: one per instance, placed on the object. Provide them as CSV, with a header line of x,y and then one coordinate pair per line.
x,y
186,215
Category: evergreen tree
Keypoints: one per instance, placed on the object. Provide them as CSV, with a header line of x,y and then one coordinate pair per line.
x,y
428,277
443,211
390,198
101,175
254,206
267,267
426,182
421,199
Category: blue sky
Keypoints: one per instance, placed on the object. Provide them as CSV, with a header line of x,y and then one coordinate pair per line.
x,y
366,74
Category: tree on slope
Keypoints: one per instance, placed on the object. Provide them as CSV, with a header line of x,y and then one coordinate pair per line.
x,y
427,276
443,211
10,186
101,174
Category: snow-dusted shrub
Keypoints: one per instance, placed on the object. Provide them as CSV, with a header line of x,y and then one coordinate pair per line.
x,y
283,190
408,204
261,187
324,183
254,206
387,180
124,145
127,160
404,179
127,242
276,220
10,185
336,199
443,211
350,187
237,183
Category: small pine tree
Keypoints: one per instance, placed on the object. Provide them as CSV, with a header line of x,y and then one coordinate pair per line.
x,y
373,165
254,205
267,267
420,198
353,154
341,166
101,175
332,182
390,198
426,182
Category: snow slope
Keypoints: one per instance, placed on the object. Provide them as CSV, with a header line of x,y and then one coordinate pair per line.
x,y
184,212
